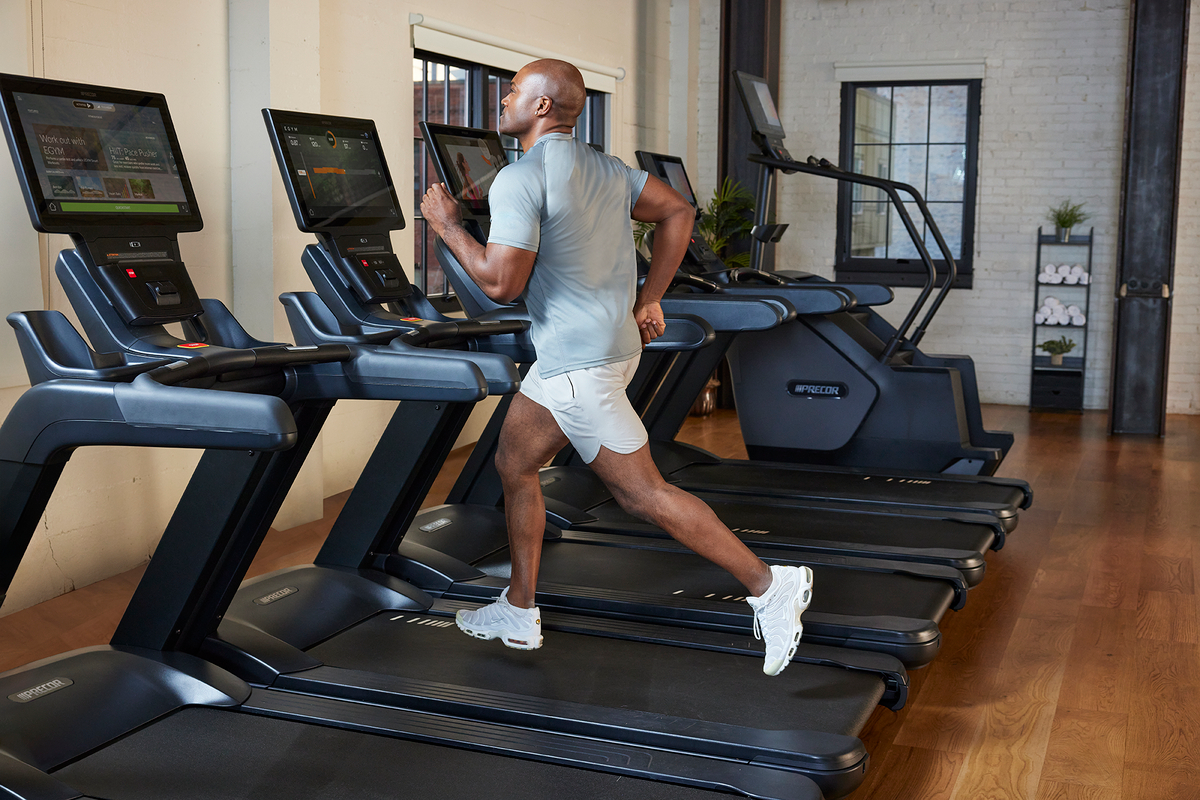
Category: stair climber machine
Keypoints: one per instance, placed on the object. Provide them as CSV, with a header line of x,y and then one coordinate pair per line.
x,y
152,714
870,398
357,626
682,378
873,602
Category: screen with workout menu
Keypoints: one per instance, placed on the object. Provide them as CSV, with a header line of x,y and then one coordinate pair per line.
x,y
467,161
93,156
756,95
335,170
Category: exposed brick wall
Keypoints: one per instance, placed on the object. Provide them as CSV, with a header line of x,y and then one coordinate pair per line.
x,y
1051,128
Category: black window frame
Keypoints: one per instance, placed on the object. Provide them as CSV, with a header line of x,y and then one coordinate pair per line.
x,y
907,271
481,113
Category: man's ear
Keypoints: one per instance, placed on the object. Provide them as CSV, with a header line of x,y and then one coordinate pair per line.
x,y
544,107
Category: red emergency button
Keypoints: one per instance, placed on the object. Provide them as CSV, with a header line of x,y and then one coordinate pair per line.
x,y
131,273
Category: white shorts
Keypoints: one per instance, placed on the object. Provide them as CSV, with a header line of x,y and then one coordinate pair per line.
x,y
591,407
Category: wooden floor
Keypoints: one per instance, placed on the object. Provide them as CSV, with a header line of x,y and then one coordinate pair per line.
x,y
1073,673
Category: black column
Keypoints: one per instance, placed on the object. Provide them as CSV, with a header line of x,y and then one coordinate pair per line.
x,y
1149,207
749,42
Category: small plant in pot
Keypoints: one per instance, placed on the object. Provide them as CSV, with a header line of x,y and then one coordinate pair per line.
x,y
1057,348
1066,216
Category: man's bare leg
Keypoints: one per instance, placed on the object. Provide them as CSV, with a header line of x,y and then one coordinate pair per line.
x,y
530,437
639,488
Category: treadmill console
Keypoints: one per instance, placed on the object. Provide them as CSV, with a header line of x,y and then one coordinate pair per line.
x,y
670,170
340,188
104,166
760,107
467,160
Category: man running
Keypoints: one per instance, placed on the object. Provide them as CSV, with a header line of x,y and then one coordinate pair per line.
x,y
561,233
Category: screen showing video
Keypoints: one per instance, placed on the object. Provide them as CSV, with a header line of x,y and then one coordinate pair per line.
x,y
471,165
94,157
763,92
338,174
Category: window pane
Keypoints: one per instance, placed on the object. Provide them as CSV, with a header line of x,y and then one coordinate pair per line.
x,y
419,252
873,160
873,115
948,217
457,101
948,115
434,280
908,165
900,242
868,230
435,75
418,178
910,121
418,94
493,103
947,172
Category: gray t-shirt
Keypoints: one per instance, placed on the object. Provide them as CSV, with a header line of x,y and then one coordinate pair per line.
x,y
571,204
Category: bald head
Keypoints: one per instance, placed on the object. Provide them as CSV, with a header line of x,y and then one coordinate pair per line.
x,y
561,82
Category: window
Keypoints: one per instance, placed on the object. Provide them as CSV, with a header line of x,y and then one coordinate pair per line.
x,y
462,93
923,134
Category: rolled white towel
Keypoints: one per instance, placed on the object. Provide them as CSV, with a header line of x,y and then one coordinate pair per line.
x,y
1085,279
1074,309
1052,302
1062,319
1043,277
1039,318
1050,269
1077,269
1070,280
1064,269
1051,320
1045,311
1078,320
1056,279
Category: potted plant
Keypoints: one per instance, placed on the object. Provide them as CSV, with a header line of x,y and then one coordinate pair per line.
x,y
1066,216
1056,348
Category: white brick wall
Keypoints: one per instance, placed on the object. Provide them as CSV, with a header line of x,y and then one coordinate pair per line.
x,y
1051,128
1183,384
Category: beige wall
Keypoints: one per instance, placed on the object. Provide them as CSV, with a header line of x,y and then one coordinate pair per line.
x,y
218,62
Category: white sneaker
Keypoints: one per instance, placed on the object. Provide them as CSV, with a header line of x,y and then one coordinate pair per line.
x,y
777,614
519,628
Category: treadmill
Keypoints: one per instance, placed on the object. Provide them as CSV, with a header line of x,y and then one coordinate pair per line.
x,y
145,717
346,628
670,393
461,555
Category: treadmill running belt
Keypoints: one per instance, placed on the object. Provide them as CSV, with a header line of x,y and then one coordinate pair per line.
x,y
684,575
223,755
782,522
615,673
773,480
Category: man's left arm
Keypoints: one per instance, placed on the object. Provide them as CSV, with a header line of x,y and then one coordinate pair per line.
x,y
501,271
673,217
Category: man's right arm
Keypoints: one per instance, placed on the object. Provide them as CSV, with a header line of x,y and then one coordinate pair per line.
x,y
673,217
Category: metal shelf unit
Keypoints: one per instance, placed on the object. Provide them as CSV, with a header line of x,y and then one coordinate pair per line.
x,y
1054,386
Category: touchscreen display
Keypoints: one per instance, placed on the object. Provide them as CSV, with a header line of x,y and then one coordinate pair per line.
x,y
93,157
768,105
337,173
676,177
468,163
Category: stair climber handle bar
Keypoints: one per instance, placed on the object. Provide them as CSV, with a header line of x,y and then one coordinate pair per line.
x,y
825,169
